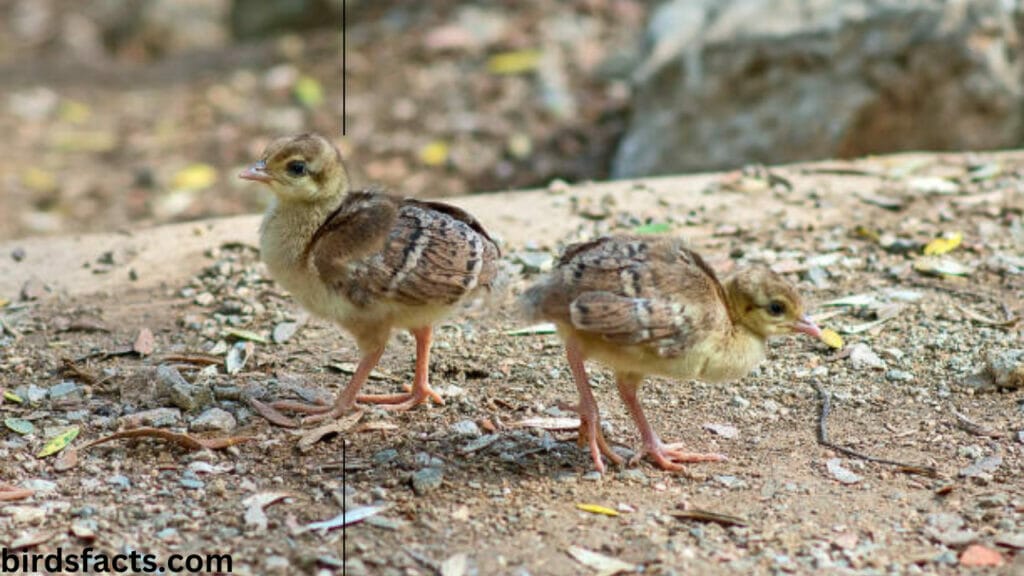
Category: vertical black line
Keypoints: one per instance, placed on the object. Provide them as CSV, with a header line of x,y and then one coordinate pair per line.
x,y
344,507
344,68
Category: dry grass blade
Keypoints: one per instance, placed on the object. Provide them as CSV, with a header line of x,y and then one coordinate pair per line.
x,y
72,369
272,415
10,492
184,440
966,424
982,319
201,359
708,516
826,409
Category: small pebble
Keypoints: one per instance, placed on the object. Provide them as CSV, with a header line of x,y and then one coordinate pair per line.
x,y
740,402
120,481
898,376
214,420
427,480
385,456
466,428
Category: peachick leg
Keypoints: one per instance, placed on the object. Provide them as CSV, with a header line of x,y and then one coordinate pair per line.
x,y
665,456
345,400
590,417
421,391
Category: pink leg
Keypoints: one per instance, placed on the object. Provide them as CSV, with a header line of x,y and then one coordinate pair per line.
x,y
590,417
665,456
345,400
421,391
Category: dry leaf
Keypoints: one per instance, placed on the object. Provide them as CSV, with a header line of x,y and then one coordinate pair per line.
x,y
144,342
549,423
254,505
10,492
313,436
348,517
605,565
29,540
184,440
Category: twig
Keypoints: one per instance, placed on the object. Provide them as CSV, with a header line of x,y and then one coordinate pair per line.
x,y
708,516
826,408
966,424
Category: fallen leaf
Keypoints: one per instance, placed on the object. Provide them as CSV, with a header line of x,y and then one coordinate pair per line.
x,y
723,430
605,565
597,509
20,425
455,565
348,517
195,177
654,228
309,92
515,62
945,243
10,492
66,460
313,436
58,442
549,423
241,334
144,342
184,440
29,540
978,555
434,153
74,112
840,473
254,505
708,516
545,328
8,395
831,338
937,266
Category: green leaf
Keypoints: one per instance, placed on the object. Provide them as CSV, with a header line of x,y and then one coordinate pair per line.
x,y
515,62
309,92
8,395
653,228
58,442
20,425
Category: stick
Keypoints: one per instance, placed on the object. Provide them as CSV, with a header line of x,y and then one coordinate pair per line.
x,y
826,408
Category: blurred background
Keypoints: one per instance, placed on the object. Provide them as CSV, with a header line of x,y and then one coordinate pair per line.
x,y
135,112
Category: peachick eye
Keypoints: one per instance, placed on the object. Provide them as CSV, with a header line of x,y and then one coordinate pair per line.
x,y
296,168
776,308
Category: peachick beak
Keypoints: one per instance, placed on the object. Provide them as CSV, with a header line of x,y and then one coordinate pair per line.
x,y
807,326
256,172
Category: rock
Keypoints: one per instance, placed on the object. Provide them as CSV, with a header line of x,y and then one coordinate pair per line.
x,y
948,529
427,480
385,456
1002,370
40,486
119,480
728,82
277,565
156,418
978,555
983,466
63,389
841,473
184,395
33,289
213,420
535,262
862,357
466,428
740,402
284,331
898,376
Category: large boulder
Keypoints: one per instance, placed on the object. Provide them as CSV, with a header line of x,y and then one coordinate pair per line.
x,y
729,82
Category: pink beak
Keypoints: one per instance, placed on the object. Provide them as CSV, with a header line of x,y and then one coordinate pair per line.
x,y
256,172
807,326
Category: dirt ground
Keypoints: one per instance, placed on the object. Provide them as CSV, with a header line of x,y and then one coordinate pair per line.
x,y
469,488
